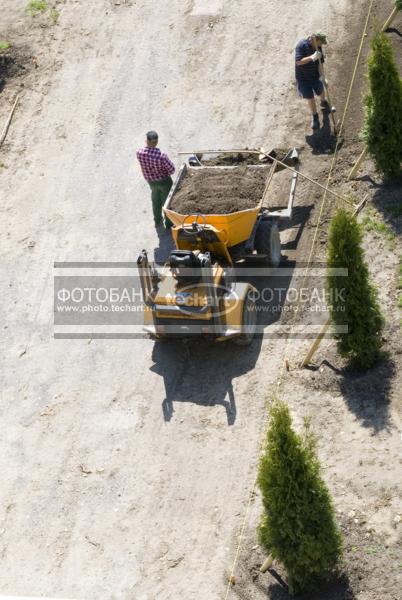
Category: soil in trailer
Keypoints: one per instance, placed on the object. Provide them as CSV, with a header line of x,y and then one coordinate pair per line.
x,y
220,191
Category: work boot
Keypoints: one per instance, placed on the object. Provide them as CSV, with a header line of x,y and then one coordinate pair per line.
x,y
325,106
315,122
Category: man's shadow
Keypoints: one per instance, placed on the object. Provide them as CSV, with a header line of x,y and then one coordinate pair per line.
x,y
323,140
202,372
165,245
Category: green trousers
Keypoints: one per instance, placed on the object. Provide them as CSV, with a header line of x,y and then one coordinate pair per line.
x,y
160,191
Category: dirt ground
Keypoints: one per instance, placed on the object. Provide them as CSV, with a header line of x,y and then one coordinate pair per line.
x,y
211,191
128,467
357,416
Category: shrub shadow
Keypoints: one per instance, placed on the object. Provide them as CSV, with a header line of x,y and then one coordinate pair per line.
x,y
393,30
338,590
368,394
387,199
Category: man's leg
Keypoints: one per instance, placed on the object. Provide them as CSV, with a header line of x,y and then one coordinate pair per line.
x,y
157,202
166,185
319,89
307,92
315,121
312,105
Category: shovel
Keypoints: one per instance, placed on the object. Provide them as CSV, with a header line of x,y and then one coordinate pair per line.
x,y
332,108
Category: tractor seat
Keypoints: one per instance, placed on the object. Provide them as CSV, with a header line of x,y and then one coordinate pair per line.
x,y
184,258
185,265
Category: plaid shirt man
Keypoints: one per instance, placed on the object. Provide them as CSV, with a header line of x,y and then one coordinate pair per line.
x,y
155,165
157,170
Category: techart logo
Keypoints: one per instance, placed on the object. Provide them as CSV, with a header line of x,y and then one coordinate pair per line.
x,y
197,301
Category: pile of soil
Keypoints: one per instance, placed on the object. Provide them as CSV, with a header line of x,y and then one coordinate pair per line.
x,y
244,158
235,158
14,62
216,191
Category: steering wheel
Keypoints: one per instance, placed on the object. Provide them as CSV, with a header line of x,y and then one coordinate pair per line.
x,y
197,217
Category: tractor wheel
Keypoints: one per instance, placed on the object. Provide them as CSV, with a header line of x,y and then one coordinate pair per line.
x,y
267,241
249,323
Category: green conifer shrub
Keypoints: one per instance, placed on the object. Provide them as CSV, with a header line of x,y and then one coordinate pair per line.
x,y
352,300
382,130
298,525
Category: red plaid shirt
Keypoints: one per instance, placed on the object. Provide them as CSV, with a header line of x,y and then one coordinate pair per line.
x,y
155,165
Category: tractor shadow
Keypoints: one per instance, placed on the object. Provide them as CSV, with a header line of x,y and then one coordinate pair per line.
x,y
202,371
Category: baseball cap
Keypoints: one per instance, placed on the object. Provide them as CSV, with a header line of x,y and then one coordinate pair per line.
x,y
152,135
322,37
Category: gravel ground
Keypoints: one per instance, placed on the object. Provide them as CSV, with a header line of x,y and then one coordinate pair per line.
x,y
126,465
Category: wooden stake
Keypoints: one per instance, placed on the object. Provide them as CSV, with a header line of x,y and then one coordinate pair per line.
x,y
7,125
360,206
390,19
357,164
317,342
266,564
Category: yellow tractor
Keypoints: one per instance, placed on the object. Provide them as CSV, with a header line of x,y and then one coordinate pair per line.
x,y
197,292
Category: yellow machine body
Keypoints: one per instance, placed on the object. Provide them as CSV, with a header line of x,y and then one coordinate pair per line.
x,y
210,303
217,246
234,228
181,310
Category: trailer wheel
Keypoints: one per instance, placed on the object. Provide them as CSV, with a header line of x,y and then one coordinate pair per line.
x,y
267,241
249,323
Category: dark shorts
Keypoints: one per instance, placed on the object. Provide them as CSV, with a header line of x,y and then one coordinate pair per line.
x,y
307,89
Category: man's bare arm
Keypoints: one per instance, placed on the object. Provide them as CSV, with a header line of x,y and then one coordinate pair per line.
x,y
304,60
316,56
